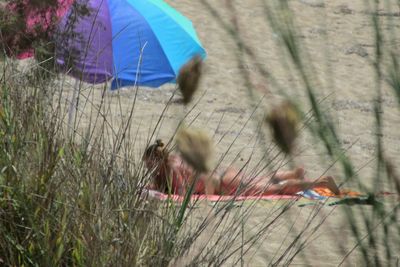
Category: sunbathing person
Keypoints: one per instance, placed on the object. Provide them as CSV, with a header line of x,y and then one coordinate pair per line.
x,y
171,174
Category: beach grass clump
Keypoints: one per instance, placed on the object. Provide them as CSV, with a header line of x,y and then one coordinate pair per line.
x,y
81,200
60,204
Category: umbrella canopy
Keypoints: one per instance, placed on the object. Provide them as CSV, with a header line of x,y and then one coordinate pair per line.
x,y
142,42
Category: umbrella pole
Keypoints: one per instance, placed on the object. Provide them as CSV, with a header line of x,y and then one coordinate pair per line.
x,y
72,107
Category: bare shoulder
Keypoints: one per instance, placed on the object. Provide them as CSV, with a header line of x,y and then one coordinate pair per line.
x,y
175,161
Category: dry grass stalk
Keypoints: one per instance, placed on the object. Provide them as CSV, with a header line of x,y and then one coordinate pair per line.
x,y
189,77
196,148
392,174
283,122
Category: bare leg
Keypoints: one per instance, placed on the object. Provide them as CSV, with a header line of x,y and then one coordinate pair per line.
x,y
292,186
296,174
232,180
212,185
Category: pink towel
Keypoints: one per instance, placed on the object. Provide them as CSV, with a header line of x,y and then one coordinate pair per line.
x,y
161,196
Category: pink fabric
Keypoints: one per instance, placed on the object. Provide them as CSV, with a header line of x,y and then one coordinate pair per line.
x,y
161,196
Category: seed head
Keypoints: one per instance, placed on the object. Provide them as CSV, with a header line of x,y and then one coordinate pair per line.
x,y
189,77
283,122
196,148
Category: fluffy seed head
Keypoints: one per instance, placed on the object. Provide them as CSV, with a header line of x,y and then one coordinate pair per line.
x,y
196,148
283,122
189,77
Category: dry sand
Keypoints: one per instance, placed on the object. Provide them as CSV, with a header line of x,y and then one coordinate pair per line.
x,y
339,39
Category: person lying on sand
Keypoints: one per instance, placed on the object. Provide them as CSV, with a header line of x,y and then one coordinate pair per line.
x,y
171,174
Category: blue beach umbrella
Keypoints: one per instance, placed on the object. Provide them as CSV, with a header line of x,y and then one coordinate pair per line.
x,y
132,42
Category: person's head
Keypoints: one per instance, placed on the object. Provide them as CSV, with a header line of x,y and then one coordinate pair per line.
x,y
155,155
155,159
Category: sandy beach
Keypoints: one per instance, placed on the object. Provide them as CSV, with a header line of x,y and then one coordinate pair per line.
x,y
339,43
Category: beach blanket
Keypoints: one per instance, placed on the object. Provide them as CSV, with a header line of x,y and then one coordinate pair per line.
x,y
313,194
318,196
153,194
